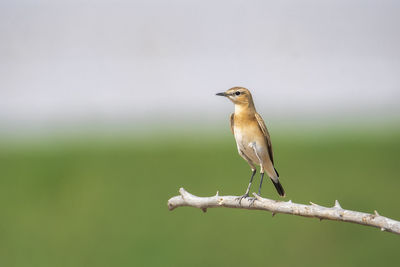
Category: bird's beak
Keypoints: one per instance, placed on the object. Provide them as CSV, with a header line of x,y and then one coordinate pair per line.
x,y
221,94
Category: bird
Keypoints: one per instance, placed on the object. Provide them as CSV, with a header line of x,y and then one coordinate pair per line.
x,y
252,138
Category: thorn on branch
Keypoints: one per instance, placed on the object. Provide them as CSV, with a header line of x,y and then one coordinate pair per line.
x,y
182,191
257,197
335,213
337,205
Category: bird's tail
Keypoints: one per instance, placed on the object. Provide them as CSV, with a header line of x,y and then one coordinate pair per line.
x,y
278,187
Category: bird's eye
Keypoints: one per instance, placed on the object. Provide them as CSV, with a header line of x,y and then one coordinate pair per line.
x,y
237,93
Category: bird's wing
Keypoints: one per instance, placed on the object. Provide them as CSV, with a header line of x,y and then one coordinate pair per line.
x,y
264,130
232,121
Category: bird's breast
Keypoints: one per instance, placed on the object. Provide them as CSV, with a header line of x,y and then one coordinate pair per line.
x,y
247,132
249,139
244,137
240,137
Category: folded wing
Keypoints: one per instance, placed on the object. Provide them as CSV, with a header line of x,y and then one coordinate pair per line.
x,y
264,130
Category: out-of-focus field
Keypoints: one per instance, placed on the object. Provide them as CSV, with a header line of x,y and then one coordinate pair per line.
x,y
103,202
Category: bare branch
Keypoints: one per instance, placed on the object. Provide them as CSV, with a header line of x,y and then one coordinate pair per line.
x,y
335,213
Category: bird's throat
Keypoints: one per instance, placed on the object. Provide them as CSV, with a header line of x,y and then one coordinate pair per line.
x,y
244,110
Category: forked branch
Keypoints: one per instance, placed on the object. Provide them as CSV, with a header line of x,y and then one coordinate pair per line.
x,y
335,213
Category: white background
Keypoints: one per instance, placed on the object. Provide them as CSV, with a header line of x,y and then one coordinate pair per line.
x,y
77,61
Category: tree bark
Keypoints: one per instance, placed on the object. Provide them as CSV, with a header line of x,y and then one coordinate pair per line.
x,y
335,213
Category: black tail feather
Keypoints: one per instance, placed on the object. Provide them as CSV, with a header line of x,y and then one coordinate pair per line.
x,y
276,171
279,188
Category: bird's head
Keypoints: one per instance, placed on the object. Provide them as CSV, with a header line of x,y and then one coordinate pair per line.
x,y
238,95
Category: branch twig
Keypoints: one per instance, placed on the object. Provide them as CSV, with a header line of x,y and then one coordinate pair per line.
x,y
335,213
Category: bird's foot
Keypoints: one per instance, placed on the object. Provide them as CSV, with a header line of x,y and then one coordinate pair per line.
x,y
241,197
254,199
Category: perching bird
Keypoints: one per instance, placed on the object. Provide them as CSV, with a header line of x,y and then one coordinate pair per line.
x,y
252,137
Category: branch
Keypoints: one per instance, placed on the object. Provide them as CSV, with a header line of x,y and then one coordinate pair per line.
x,y
335,213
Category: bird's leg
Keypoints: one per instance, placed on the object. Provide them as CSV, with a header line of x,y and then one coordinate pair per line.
x,y
259,189
251,180
248,187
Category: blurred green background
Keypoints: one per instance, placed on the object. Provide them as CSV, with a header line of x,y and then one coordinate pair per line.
x,y
102,201
108,107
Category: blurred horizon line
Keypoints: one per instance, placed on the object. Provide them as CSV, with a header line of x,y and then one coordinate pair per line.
x,y
196,124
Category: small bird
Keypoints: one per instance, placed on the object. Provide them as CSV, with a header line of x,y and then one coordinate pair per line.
x,y
252,138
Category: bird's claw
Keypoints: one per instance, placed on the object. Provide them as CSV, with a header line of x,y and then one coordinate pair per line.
x,y
241,197
252,201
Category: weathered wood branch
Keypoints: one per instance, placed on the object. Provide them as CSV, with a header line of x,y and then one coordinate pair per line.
x,y
335,213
